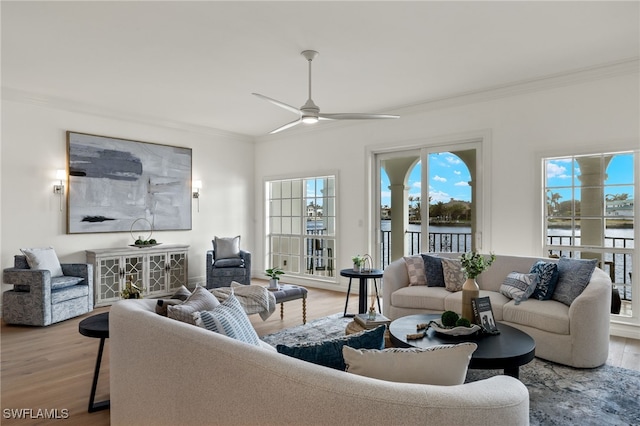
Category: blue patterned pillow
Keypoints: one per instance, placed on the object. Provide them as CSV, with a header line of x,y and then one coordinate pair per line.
x,y
547,279
433,271
329,352
518,286
573,277
229,319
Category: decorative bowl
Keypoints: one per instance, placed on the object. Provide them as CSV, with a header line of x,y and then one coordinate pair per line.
x,y
144,245
455,331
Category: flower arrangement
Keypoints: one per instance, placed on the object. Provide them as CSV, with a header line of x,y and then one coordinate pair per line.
x,y
130,290
474,263
358,260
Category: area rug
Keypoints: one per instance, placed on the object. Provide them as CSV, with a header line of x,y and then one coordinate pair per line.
x,y
558,395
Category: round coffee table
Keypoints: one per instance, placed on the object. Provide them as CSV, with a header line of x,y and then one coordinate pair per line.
x,y
506,351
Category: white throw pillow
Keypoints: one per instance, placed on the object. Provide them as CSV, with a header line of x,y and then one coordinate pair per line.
x,y
519,286
229,319
226,248
444,365
200,300
43,258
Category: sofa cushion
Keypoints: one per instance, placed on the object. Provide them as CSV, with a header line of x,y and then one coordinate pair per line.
x,y
415,270
229,319
547,279
226,248
573,276
519,286
454,277
200,300
329,352
43,259
63,294
229,263
433,270
420,297
443,365
546,315
64,281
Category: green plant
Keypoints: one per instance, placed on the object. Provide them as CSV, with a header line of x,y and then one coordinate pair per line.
x,y
449,318
474,263
130,290
358,260
463,322
274,273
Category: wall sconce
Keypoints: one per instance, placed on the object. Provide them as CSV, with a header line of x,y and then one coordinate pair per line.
x,y
61,176
196,186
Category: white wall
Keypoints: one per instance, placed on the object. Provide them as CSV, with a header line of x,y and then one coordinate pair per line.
x,y
588,116
34,147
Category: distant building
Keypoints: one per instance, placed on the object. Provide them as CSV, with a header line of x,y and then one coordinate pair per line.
x,y
620,207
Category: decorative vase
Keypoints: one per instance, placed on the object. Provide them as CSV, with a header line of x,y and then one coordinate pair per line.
x,y
470,290
357,268
273,283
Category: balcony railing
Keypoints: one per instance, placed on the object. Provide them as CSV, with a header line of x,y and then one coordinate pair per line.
x,y
451,242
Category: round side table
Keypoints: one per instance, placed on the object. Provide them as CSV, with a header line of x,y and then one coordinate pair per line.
x,y
96,326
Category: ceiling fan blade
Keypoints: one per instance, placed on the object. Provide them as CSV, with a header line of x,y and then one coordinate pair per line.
x,y
354,116
278,103
286,126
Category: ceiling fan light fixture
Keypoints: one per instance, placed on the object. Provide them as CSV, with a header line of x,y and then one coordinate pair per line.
x,y
310,120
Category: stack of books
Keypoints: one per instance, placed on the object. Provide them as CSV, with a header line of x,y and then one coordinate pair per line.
x,y
363,320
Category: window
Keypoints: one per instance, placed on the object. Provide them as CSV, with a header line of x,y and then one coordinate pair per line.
x,y
301,226
589,213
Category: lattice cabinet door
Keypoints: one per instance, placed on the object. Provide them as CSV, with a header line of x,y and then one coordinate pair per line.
x,y
177,269
107,280
157,275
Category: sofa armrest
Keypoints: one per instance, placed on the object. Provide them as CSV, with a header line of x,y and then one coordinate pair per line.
x,y
394,277
246,256
589,321
38,280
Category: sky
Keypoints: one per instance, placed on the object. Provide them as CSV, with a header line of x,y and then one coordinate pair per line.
x,y
448,176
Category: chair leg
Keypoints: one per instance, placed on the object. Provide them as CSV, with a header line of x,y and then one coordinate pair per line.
x,y
377,297
282,311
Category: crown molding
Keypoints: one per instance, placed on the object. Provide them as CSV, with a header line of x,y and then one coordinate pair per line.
x,y
31,98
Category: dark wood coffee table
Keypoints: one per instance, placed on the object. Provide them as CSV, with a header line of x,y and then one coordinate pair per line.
x,y
506,351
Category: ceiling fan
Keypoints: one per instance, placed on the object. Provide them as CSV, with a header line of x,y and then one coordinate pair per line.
x,y
309,113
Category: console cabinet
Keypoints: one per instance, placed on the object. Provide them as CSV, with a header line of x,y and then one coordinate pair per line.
x,y
160,270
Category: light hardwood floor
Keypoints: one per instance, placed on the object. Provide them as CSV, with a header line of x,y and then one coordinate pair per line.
x,y
52,367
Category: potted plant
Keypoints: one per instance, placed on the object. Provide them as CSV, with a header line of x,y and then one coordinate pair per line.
x,y
358,262
130,290
274,276
473,264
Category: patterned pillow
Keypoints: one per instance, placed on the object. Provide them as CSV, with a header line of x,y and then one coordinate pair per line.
x,y
518,286
443,365
329,352
415,269
229,319
200,300
573,277
433,270
226,248
547,279
44,259
453,274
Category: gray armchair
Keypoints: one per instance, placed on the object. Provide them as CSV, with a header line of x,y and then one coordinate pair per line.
x,y
221,272
39,299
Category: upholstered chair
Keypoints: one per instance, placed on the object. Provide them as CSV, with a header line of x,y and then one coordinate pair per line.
x,y
220,272
39,299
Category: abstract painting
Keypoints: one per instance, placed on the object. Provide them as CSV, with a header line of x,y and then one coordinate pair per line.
x,y
113,182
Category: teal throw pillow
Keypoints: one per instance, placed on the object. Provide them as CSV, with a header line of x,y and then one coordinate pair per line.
x,y
547,279
329,352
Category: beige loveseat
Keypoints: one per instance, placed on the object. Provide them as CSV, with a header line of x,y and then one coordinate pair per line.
x,y
575,335
163,371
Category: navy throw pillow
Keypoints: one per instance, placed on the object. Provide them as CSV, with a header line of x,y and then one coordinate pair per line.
x,y
573,277
329,352
547,279
433,271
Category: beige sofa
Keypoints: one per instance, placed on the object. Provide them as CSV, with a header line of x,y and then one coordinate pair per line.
x,y
167,372
576,335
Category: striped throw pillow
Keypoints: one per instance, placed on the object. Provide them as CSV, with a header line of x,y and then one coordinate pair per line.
x,y
228,319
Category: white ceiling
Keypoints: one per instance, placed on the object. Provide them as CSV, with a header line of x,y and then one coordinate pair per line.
x,y
197,63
